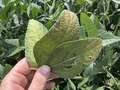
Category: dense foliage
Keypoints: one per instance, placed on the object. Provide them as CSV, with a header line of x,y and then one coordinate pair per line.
x,y
103,74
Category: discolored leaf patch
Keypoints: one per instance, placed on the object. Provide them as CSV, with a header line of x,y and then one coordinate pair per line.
x,y
35,32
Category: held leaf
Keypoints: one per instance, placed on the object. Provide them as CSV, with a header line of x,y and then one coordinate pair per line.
x,y
66,28
35,32
61,48
70,58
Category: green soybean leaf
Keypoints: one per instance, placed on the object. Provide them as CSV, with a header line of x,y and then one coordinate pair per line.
x,y
116,1
108,42
66,28
70,58
107,35
35,32
95,21
109,38
80,2
70,85
89,26
15,51
1,71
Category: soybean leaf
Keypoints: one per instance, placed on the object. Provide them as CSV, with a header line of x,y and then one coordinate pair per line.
x,y
109,42
89,26
95,21
107,35
80,2
12,42
12,47
1,71
66,28
70,58
103,60
33,10
85,80
35,32
15,51
109,38
70,85
116,1
6,69
100,88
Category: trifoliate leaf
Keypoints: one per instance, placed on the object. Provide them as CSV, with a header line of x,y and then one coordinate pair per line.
x,y
61,48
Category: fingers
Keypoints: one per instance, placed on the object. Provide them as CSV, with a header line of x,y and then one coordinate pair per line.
x,y
22,67
17,76
50,85
40,78
29,77
21,76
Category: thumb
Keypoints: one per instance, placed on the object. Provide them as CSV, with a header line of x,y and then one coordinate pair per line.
x,y
40,78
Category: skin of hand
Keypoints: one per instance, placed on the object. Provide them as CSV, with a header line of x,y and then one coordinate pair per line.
x,y
21,77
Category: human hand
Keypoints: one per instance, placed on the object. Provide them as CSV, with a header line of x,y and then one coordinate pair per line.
x,y
21,77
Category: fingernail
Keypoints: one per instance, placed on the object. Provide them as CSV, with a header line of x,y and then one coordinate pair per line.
x,y
45,70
